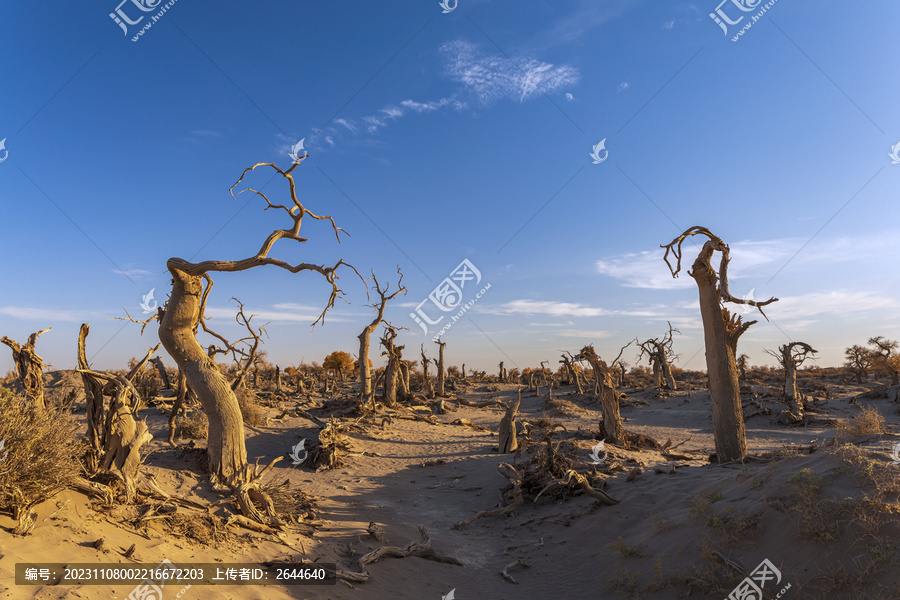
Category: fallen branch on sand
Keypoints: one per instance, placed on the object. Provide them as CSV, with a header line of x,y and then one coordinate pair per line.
x,y
421,549
515,480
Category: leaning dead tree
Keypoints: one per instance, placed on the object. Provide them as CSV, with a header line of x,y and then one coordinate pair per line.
x,y
658,351
365,370
604,377
29,366
885,357
791,356
226,451
721,330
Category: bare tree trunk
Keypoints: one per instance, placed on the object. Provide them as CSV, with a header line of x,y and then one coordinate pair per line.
x,y
667,373
508,441
29,366
93,395
721,331
161,369
502,374
277,378
791,356
612,420
440,368
226,452
463,372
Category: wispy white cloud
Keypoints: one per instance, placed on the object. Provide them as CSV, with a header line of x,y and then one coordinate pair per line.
x,y
132,272
283,312
559,309
623,86
832,303
49,315
669,24
485,77
492,77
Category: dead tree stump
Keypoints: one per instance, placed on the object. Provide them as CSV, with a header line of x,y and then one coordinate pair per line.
x,y
29,366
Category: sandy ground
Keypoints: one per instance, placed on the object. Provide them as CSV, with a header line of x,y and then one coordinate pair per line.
x,y
693,532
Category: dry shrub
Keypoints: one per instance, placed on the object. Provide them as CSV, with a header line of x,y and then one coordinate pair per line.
x,y
868,421
288,502
40,453
194,426
250,410
205,529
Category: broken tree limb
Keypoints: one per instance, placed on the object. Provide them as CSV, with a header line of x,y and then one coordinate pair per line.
x,y
29,366
515,479
422,549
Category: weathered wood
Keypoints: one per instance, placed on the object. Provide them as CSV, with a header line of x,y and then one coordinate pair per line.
x,y
508,441
29,366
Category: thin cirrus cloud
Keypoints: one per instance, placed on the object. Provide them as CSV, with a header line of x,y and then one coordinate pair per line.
x,y
483,79
558,309
284,312
751,258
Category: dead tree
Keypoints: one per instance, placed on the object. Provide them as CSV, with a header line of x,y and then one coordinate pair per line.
x,y
658,352
93,395
791,356
29,366
604,377
574,375
859,361
439,363
124,434
502,373
885,357
721,331
427,386
365,371
743,362
226,451
163,373
392,372
508,441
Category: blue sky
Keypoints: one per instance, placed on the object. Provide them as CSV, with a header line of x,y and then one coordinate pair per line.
x,y
439,137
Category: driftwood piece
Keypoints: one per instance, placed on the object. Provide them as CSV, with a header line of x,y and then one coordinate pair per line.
x,y
421,549
505,571
508,441
515,479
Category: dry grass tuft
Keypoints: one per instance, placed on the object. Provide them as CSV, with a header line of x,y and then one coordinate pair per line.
x,y
249,403
194,426
40,451
867,422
